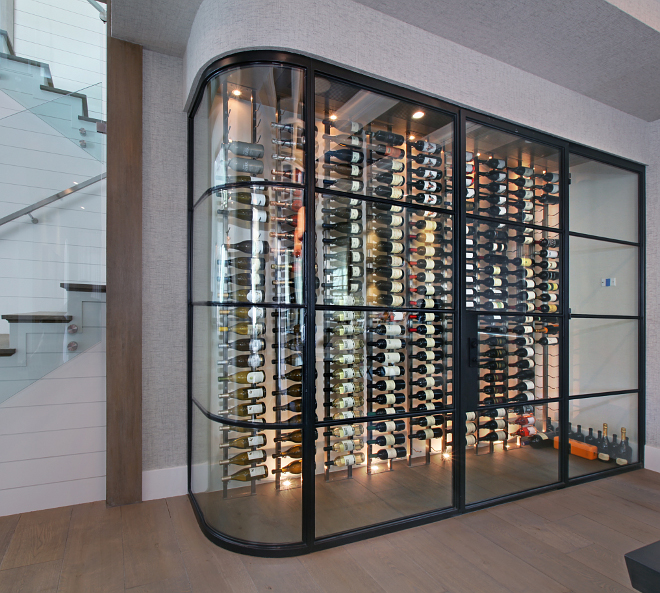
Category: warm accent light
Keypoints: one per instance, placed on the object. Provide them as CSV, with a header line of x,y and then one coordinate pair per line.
x,y
286,483
411,137
236,93
333,117
446,455
418,114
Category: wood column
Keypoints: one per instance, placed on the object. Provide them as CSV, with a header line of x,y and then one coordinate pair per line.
x,y
124,273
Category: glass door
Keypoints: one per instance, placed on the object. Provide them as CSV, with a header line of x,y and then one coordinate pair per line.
x,y
512,321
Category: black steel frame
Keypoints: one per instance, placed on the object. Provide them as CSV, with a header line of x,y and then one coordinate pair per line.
x,y
309,542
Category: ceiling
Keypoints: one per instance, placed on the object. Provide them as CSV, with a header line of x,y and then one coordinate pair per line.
x,y
594,47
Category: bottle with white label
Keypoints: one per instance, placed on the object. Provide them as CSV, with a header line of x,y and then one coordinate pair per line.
x,y
389,453
245,458
248,474
247,409
295,467
246,442
348,459
252,377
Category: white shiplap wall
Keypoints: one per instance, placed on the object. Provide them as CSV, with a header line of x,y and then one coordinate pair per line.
x,y
70,37
52,434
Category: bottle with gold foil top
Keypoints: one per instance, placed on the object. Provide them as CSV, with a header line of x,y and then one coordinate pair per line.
x,y
246,458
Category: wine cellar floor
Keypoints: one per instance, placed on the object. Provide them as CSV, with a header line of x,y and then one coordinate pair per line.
x,y
569,540
364,500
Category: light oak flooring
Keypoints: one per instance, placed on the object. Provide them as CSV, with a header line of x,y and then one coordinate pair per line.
x,y
569,540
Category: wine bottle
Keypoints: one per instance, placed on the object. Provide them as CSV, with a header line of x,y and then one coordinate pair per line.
x,y
295,452
344,184
427,368
348,228
246,458
427,434
389,453
389,344
428,147
347,213
623,452
495,424
388,138
604,452
247,409
249,199
389,384
346,446
295,467
385,399
246,377
292,406
243,165
248,474
347,430
387,440
348,459
387,191
392,179
498,435
254,264
590,439
388,426
428,342
425,159
246,442
253,247
347,155
344,125
350,401
428,355
293,437
388,165
247,360
345,140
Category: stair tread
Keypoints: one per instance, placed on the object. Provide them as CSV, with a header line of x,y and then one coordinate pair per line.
x,y
5,350
81,287
38,317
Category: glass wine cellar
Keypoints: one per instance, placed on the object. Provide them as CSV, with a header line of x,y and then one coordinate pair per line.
x,y
399,309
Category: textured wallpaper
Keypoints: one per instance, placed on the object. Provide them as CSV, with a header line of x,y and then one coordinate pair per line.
x,y
365,40
164,248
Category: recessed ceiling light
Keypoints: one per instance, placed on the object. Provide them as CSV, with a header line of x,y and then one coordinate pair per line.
x,y
333,117
418,114
236,93
411,137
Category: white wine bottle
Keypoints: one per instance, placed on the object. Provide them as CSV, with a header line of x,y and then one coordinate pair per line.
x,y
246,442
295,467
251,377
348,459
248,474
248,409
245,458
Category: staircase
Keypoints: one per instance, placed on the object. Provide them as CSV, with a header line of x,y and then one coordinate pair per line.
x,y
40,342
48,140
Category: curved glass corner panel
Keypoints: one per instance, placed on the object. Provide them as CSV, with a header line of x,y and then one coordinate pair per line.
x,y
255,129
247,363
372,144
511,178
247,485
603,433
248,245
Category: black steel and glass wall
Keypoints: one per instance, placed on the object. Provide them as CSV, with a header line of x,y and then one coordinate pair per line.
x,y
400,310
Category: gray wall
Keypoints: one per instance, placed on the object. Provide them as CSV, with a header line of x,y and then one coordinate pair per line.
x,y
164,249
366,41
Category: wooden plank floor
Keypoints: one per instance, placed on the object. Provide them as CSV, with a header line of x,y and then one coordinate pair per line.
x,y
569,540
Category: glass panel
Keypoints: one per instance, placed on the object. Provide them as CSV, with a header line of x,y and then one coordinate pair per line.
x,y
385,470
510,450
598,427
603,277
603,199
248,246
512,178
377,364
511,268
202,178
518,358
603,355
247,362
256,130
241,482
382,255
373,144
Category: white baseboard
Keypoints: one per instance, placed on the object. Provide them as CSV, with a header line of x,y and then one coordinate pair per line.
x,y
652,458
163,483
